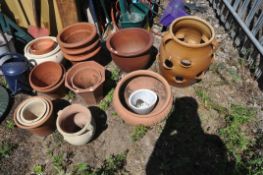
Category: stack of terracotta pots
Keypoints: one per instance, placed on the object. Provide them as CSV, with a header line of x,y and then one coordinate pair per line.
x,y
35,115
75,123
130,48
86,79
143,80
43,49
48,78
187,50
79,42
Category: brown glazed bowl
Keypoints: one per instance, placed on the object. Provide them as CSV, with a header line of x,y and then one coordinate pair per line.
x,y
77,35
143,79
130,48
43,128
45,75
42,46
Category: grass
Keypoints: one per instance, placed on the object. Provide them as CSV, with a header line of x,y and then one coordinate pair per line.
x,y
115,74
10,124
3,82
112,165
106,102
139,132
70,95
6,149
38,169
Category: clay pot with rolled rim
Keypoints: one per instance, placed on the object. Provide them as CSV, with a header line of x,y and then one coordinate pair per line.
x,y
42,46
45,75
86,79
41,128
130,48
76,124
143,79
77,35
54,55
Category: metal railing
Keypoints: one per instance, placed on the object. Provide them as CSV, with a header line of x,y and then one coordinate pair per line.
x,y
243,19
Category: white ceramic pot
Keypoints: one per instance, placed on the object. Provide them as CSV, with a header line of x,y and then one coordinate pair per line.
x,y
55,55
75,124
142,101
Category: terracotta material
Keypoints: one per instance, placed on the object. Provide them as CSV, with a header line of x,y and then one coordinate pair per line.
x,y
86,79
187,50
75,123
41,128
130,48
143,79
45,76
42,46
76,35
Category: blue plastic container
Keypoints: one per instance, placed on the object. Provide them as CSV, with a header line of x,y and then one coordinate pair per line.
x,y
16,71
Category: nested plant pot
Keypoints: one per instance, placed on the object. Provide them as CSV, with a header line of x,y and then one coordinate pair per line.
x,y
35,115
76,124
130,48
42,46
187,49
86,79
143,79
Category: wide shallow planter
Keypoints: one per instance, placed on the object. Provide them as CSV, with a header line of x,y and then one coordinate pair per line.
x,y
143,79
187,50
79,42
42,46
48,81
86,79
76,124
130,48
35,114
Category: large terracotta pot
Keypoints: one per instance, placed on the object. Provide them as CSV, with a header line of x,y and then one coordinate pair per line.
x,y
39,125
186,50
75,123
143,79
86,79
130,48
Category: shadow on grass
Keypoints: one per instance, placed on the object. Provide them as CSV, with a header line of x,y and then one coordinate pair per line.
x,y
184,149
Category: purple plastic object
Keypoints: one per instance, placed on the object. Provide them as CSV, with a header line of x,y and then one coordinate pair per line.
x,y
174,9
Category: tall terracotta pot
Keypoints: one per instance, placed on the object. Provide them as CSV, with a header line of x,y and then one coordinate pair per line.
x,y
187,50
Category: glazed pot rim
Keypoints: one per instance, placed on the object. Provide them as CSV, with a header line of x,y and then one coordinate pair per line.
x,y
67,110
130,54
38,124
143,73
53,52
82,42
196,19
49,86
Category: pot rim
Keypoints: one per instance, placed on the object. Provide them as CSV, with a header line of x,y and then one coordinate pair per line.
x,y
196,19
49,47
49,86
53,52
80,43
116,97
66,110
130,54
38,124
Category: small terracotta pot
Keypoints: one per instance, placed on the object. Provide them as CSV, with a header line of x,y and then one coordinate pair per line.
x,y
77,35
45,75
80,77
41,128
143,79
186,50
75,123
130,48
42,46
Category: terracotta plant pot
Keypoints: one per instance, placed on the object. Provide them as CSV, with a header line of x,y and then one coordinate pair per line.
x,y
130,48
41,127
143,79
45,75
75,123
54,54
186,50
86,79
42,46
